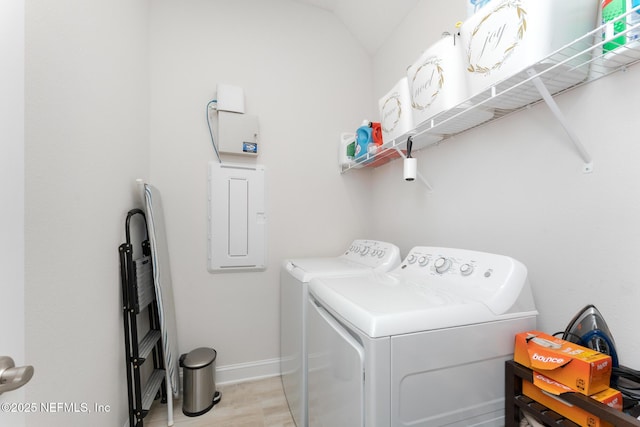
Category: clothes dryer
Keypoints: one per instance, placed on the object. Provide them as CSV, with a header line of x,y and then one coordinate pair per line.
x,y
423,345
362,257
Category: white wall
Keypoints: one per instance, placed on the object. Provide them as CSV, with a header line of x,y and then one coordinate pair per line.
x,y
308,80
516,187
86,139
421,27
12,195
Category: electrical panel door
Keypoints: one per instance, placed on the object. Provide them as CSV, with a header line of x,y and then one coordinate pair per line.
x,y
237,217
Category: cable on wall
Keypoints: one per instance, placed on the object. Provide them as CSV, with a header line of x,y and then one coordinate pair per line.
x,y
212,105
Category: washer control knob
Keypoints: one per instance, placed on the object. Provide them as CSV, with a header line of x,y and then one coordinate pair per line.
x,y
442,265
423,260
381,253
466,269
411,259
364,251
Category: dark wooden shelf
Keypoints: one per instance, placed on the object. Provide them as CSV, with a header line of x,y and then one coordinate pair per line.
x,y
514,400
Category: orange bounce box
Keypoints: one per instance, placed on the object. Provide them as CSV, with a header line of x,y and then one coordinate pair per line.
x,y
581,369
547,387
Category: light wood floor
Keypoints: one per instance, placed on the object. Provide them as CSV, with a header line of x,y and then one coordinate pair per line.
x,y
258,403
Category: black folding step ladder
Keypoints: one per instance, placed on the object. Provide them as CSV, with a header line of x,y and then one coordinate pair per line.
x,y
145,382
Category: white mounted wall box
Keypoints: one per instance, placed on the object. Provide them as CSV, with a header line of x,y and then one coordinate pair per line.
x,y
237,218
230,98
237,133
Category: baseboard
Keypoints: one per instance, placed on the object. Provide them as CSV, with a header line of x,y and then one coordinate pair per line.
x,y
241,372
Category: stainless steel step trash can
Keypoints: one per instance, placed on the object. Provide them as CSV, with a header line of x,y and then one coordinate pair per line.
x,y
199,381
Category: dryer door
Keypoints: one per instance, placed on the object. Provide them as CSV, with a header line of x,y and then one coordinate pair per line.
x,y
335,372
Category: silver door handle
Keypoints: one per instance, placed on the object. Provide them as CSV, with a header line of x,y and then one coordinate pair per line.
x,y
11,377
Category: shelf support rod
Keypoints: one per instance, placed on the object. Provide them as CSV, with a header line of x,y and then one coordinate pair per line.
x,y
418,174
555,109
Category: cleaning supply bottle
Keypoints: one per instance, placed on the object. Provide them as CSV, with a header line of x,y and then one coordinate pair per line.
x,y
612,10
376,132
634,19
363,139
347,149
475,5
376,138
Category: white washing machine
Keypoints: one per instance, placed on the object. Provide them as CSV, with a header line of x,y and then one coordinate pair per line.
x,y
362,257
423,345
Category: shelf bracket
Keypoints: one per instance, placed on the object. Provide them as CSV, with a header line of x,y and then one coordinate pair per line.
x,y
555,109
418,174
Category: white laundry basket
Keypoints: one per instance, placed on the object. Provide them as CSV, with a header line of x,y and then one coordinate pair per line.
x,y
437,83
506,37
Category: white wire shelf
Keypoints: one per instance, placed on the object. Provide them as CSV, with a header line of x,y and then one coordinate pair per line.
x,y
553,75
